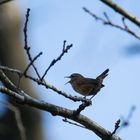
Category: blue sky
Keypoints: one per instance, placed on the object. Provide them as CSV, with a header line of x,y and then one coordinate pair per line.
x,y
95,48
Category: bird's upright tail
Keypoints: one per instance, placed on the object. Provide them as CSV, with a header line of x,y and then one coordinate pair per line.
x,y
104,74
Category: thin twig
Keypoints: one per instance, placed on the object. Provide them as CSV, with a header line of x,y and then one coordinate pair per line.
x,y
129,30
18,119
117,125
66,120
121,11
31,62
123,21
26,47
64,50
107,21
27,68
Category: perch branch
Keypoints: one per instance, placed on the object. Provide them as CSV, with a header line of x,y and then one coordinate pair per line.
x,y
60,111
46,85
22,98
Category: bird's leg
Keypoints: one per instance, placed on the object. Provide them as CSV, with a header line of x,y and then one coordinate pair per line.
x,y
85,97
92,97
87,94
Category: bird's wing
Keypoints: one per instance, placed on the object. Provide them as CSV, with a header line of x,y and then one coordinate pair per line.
x,y
85,88
92,81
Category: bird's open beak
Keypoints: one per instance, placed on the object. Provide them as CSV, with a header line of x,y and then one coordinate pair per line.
x,y
67,76
68,81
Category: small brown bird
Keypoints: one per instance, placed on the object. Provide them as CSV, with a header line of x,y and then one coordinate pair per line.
x,y
87,86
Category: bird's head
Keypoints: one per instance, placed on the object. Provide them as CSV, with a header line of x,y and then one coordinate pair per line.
x,y
74,77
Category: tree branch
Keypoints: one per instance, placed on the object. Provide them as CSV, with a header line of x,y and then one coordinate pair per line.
x,y
121,11
64,50
46,85
69,122
61,111
22,98
81,108
117,125
107,21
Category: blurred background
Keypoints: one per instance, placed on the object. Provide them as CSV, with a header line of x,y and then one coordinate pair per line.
x,y
95,48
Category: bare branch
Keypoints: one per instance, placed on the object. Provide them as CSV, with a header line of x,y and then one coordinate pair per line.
x,y
5,80
117,125
123,21
69,122
12,93
61,111
26,47
121,11
81,108
31,62
64,50
107,21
